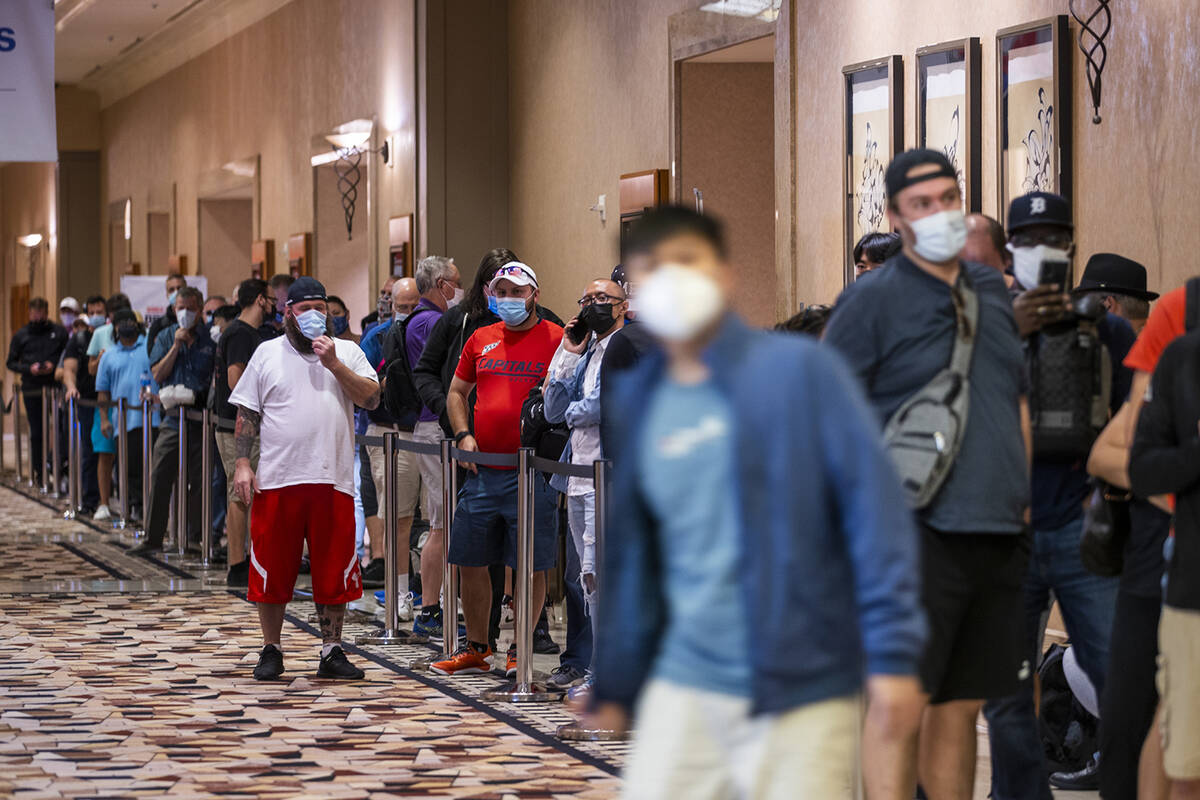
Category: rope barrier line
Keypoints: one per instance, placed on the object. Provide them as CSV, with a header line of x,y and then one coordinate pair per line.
x,y
565,470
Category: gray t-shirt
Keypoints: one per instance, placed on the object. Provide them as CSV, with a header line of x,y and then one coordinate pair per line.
x,y
895,327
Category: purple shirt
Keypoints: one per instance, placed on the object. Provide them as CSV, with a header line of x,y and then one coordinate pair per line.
x,y
416,335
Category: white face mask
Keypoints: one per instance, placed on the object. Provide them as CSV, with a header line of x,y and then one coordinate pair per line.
x,y
1027,262
677,303
453,301
941,236
215,332
185,318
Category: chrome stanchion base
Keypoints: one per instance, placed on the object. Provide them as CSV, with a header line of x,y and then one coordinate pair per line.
x,y
578,732
392,637
514,693
119,524
69,514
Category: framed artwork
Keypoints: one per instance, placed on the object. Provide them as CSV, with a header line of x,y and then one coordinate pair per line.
x,y
949,78
1033,102
874,135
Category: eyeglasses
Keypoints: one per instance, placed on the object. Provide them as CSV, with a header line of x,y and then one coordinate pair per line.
x,y
602,298
1061,241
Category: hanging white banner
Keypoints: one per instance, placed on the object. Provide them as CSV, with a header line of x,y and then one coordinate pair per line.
x,y
148,293
27,127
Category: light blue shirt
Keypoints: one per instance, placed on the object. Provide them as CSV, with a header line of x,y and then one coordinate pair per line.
x,y
102,339
686,472
120,374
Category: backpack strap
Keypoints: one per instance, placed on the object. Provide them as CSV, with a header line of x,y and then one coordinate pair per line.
x,y
1192,318
966,313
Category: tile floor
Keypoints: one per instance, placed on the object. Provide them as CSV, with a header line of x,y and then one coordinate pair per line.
x,y
129,677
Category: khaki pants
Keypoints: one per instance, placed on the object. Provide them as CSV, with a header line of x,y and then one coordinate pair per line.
x,y
1179,690
408,475
431,474
701,745
227,449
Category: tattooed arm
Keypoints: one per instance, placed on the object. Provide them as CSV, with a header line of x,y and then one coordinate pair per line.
x,y
245,484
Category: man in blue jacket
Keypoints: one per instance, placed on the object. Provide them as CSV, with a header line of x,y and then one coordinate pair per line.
x,y
761,563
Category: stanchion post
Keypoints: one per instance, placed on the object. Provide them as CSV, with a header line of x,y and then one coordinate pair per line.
x,y
449,575
45,444
56,454
523,690
77,435
392,633
206,471
147,442
123,457
18,408
73,458
181,486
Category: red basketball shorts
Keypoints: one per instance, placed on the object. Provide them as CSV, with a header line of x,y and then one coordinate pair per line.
x,y
281,521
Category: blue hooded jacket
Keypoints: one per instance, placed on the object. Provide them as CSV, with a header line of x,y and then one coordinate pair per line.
x,y
830,561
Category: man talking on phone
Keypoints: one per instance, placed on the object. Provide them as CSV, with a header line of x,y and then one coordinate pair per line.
x,y
1041,240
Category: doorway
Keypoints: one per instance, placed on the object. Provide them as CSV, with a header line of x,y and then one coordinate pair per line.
x,y
726,161
226,230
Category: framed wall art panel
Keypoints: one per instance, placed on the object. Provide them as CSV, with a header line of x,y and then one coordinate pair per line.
x,y
1033,102
874,122
949,80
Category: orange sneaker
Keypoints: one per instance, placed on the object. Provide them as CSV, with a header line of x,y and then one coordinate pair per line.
x,y
465,661
510,663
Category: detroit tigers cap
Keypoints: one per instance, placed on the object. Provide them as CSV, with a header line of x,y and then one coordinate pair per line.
x,y
1039,208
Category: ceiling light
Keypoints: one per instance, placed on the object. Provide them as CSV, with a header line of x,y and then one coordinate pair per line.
x,y
352,135
767,10
30,240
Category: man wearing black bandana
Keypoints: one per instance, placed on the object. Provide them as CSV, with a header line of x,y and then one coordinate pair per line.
x,y
573,396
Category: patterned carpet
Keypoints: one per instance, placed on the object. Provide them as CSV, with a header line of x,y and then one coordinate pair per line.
x,y
128,694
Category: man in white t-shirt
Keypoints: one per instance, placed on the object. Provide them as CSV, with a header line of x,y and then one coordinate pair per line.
x,y
298,393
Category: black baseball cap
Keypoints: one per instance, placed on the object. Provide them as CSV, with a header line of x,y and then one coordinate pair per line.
x,y
1039,208
305,288
896,178
1109,272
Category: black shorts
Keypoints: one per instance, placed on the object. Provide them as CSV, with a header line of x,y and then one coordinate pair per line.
x,y
971,588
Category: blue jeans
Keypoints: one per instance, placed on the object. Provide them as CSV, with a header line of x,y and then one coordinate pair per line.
x,y
1088,604
578,652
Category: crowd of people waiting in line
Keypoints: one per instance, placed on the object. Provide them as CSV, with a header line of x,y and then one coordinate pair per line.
x,y
879,512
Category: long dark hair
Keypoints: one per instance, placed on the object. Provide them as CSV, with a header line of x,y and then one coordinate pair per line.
x,y
475,303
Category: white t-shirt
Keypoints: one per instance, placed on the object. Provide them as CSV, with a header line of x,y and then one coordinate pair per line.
x,y
307,431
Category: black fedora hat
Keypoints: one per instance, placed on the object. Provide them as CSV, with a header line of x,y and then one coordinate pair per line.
x,y
1109,272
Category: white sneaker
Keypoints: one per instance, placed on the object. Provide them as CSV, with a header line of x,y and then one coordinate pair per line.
x,y
102,514
405,607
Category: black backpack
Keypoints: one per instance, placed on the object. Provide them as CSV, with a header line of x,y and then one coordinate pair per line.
x,y
1068,731
400,396
548,439
1070,376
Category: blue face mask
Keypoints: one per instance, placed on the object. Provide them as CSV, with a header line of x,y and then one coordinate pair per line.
x,y
96,320
171,299
340,325
492,304
278,318
512,310
312,323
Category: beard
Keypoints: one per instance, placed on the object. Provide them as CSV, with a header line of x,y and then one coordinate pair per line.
x,y
299,341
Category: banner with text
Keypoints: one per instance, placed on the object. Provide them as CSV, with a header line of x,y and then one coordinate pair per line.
x,y
27,124
148,293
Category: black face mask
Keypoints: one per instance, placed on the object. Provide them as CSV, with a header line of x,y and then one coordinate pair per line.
x,y
597,317
127,331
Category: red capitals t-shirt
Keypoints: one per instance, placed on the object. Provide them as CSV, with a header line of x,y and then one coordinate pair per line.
x,y
504,365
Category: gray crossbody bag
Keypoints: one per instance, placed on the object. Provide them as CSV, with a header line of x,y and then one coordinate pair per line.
x,y
924,436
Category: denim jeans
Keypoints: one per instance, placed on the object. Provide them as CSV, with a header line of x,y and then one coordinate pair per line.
x,y
578,652
1088,604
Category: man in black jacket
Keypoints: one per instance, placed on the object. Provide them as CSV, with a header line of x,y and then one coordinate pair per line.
x,y
34,353
1165,458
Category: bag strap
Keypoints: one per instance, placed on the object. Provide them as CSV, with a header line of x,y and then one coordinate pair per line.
x,y
966,314
1192,318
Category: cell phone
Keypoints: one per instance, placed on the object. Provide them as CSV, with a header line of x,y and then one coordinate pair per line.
x,y
577,333
1053,272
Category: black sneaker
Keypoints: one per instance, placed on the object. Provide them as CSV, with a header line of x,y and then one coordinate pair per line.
x,y
372,574
543,645
239,574
1083,780
335,665
270,664
564,677
145,549
305,566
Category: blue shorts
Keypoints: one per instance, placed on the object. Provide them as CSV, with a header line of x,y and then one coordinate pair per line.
x,y
484,531
100,442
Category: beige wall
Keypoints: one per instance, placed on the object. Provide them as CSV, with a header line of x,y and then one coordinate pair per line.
x,y
589,85
727,150
225,235
269,90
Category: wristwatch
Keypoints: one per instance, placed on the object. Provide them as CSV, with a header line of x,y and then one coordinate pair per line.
x,y
458,437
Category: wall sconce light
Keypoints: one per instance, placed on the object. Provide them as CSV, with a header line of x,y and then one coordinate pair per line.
x,y
348,142
30,240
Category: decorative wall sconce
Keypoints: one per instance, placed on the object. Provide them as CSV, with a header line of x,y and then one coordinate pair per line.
x,y
349,143
30,240
1096,25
